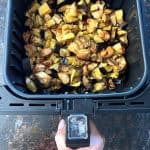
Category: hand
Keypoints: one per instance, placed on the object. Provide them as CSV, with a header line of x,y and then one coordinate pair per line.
x,y
96,140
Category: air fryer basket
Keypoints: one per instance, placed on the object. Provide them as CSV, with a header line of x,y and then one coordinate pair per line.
x,y
15,53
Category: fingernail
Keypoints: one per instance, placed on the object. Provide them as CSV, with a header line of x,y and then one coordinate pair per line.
x,y
61,124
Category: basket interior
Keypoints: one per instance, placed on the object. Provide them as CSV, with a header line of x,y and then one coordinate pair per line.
x,y
15,51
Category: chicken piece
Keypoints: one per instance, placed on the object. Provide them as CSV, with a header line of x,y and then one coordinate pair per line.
x,y
43,78
44,9
64,77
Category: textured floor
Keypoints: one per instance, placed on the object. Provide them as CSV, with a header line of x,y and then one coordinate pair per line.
x,y
122,130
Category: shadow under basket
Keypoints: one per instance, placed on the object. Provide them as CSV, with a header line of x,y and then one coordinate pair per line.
x,y
15,53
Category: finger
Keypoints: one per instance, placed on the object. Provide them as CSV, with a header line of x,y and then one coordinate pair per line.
x,y
97,141
60,137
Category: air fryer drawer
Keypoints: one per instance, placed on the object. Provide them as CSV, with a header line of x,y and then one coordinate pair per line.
x,y
15,53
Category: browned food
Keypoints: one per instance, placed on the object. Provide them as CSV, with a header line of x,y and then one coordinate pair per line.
x,y
81,45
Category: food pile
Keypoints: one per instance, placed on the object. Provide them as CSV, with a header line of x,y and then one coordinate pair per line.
x,y
80,46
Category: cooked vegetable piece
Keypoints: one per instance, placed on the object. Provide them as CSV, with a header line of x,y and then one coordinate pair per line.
x,y
31,85
119,49
108,52
44,9
64,78
43,78
119,16
83,54
96,74
100,86
45,52
92,25
81,45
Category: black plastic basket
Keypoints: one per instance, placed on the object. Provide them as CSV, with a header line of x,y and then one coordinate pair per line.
x,y
15,53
